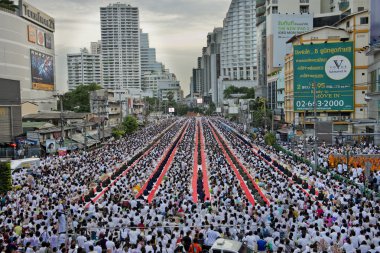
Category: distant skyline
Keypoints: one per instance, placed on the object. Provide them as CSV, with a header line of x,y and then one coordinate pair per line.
x,y
177,29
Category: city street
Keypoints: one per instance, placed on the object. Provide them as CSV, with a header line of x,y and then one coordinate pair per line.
x,y
183,177
208,126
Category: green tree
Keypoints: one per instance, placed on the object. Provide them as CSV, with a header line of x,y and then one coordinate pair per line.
x,y
8,4
211,109
130,124
270,139
5,177
118,132
78,100
170,96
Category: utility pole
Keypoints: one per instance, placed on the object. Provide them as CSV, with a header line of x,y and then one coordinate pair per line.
x,y
85,133
60,97
315,127
121,108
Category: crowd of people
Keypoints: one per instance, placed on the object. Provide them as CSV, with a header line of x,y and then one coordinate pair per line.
x,y
354,171
46,216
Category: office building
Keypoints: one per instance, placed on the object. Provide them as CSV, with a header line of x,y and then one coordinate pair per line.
x,y
340,90
149,62
96,47
373,52
238,53
28,54
210,64
196,83
120,46
84,69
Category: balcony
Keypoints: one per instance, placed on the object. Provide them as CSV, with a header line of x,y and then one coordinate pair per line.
x,y
260,11
260,3
260,20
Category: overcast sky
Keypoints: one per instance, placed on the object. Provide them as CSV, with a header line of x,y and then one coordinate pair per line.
x,y
177,29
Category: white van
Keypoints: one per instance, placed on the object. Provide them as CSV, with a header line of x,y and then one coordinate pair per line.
x,y
227,246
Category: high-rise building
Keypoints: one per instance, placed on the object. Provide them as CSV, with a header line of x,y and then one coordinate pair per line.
x,y
238,49
148,57
84,68
197,80
210,63
96,47
120,34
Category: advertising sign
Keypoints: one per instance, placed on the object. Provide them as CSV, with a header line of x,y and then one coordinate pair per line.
x,y
32,34
51,146
36,16
62,151
171,109
48,41
285,26
40,38
42,66
330,67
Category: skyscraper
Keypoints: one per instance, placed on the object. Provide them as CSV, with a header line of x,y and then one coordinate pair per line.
x,y
83,68
148,56
120,33
238,49
96,47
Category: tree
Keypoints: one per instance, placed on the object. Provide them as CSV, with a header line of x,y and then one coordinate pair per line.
x,y
5,177
130,124
78,100
170,96
118,132
270,139
211,109
9,5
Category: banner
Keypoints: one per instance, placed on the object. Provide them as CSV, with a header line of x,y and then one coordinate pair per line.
x,y
42,66
51,146
330,67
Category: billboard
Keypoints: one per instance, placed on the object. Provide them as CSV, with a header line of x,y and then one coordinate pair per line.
x,y
171,109
285,26
330,66
40,38
375,22
42,66
32,34
51,146
48,41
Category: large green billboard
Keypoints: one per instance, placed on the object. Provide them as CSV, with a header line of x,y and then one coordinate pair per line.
x,y
330,66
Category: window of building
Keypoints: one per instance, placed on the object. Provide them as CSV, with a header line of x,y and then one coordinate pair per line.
x,y
348,24
364,20
274,10
304,9
360,8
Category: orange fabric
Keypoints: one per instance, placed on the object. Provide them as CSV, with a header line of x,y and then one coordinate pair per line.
x,y
355,161
195,248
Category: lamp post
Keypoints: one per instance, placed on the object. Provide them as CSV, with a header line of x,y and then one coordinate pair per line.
x,y
60,97
315,127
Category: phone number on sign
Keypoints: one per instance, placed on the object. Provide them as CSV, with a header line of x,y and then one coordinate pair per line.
x,y
320,103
